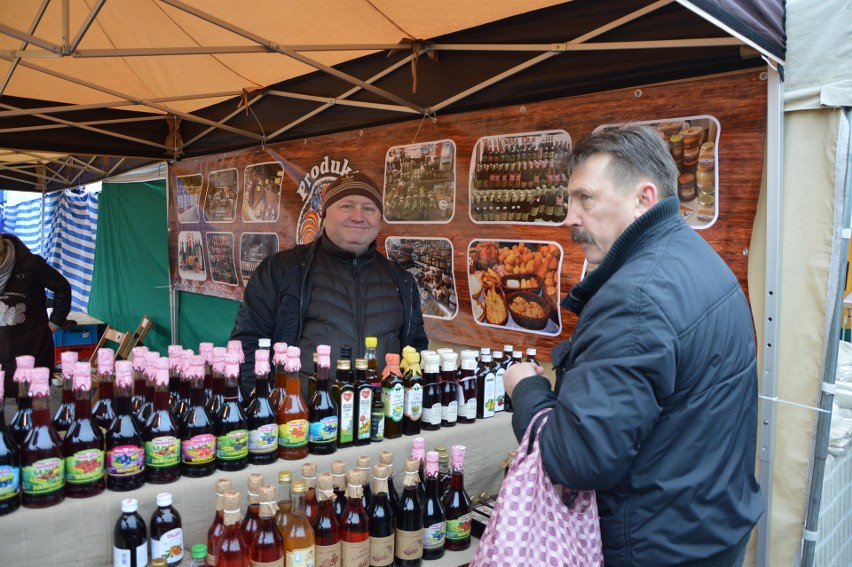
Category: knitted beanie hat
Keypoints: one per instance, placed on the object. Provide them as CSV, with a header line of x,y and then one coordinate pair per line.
x,y
352,184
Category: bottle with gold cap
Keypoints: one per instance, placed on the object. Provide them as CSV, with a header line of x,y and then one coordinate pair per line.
x,y
285,505
232,549
268,546
373,375
250,523
299,538
217,527
325,525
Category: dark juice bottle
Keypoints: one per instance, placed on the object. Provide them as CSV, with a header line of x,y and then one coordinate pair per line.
x,y
386,458
42,465
175,352
232,549
161,433
343,394
217,526
467,387
236,347
431,420
485,382
22,420
262,418
279,387
206,350
363,403
363,464
104,410
139,379
449,390
457,505
408,545
198,443
10,463
166,531
354,525
381,518
250,522
413,402
309,476
393,396
517,357
125,450
338,481
130,537
299,539
230,426
83,446
268,545
65,412
217,381
377,416
322,411
293,412
325,524
373,375
434,520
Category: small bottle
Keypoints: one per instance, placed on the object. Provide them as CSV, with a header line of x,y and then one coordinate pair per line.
x,y
325,525
250,522
285,505
104,410
363,464
457,505
166,531
83,446
363,403
381,521
199,555
373,375
531,356
449,390
42,465
322,411
22,420
125,449
517,357
232,550
140,381
10,462
130,537
161,434
268,547
65,412
279,388
413,384
198,443
338,480
434,520
431,420
386,458
262,418
217,526
393,397
299,539
343,394
293,413
377,416
230,425
354,525
408,545
467,390
485,385
309,475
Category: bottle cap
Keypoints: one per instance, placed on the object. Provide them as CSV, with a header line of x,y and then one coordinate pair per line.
x,y
264,343
280,350
39,378
236,347
346,351
361,364
338,467
298,487
386,457
124,373
223,485
285,476
129,505
323,355
371,342
199,551
363,462
164,499
531,350
159,562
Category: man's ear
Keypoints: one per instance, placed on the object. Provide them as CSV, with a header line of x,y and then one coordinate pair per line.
x,y
646,197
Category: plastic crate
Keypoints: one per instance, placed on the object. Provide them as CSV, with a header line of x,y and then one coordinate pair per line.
x,y
76,335
84,352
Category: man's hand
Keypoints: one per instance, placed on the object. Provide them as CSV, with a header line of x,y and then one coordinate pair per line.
x,y
517,372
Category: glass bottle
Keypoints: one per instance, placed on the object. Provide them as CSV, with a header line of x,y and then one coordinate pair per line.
x,y
457,505
408,545
431,420
125,450
338,479
217,526
217,394
299,539
166,531
199,555
285,505
161,434
467,387
309,475
393,396
312,378
531,356
232,550
186,369
198,443
363,464
152,364
322,411
434,520
139,362
268,546
354,525
65,412
83,446
206,350
249,524
449,390
444,475
325,525
381,520
373,376
236,347
363,403
279,388
174,355
485,383
22,420
104,411
386,458
10,462
42,465
343,394
499,390
262,418
377,416
418,452
413,385
230,426
130,537
264,345
293,413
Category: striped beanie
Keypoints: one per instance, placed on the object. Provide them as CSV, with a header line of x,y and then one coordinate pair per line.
x,y
351,184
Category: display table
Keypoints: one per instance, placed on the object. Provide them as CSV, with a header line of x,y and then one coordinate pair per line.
x,y
79,532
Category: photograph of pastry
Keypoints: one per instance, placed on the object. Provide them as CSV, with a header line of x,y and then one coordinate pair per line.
x,y
254,247
191,256
188,191
220,248
430,261
262,192
220,201
420,183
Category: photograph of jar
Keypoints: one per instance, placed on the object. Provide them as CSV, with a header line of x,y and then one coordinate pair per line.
x,y
220,201
520,178
188,190
430,262
262,193
420,183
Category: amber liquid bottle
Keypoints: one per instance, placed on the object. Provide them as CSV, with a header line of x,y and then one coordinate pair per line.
x,y
83,446
139,379
449,390
434,519
161,436
279,387
363,403
373,375
299,539
104,411
431,420
467,387
232,550
166,531
325,525
42,465
413,402
293,413
10,463
338,481
309,475
354,525
230,426
217,526
249,524
386,458
22,420
393,397
125,450
262,418
322,411
343,394
65,412
268,546
457,505
198,443
408,545
381,523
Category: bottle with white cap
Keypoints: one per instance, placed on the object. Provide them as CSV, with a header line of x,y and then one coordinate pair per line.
x,y
166,531
130,537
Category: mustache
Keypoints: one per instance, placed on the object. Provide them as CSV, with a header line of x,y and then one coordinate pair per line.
x,y
580,237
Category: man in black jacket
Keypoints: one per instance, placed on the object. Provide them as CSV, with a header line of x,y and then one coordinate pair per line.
x,y
336,290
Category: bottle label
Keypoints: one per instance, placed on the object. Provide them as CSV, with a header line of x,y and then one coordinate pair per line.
x,y
432,415
459,528
84,466
324,430
327,555
162,452
409,545
346,424
434,536
264,439
450,412
499,390
488,394
233,445
301,557
414,402
276,563
122,557
293,433
381,550
365,402
44,476
470,409
169,546
10,482
356,553
377,427
394,399
198,449
125,460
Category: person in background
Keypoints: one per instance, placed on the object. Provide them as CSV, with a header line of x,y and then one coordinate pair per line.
x,y
24,325
335,290
655,404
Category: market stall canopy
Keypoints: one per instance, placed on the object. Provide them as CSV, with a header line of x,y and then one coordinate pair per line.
x,y
90,88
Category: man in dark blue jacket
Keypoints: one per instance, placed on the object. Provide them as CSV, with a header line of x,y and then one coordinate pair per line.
x,y
655,405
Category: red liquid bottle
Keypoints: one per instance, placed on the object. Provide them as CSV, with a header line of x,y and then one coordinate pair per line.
x,y
236,347
393,396
309,475
125,450
42,465
22,421
363,464
83,446
249,525
198,444
262,418
161,433
338,481
175,352
166,532
408,545
363,403
187,366
104,411
322,411
217,394
232,549
413,384
279,387
293,413
386,458
434,519
467,387
457,505
10,462
65,412
299,538
217,526
325,525
449,390
139,380
268,546
230,425
431,420
354,525
152,362
380,516
418,452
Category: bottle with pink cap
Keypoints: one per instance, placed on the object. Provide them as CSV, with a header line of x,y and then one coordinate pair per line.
x,y
139,380
161,436
10,463
125,457
83,445
104,410
65,412
42,465
230,425
22,421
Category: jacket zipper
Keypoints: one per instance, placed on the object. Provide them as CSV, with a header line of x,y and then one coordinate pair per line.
x,y
359,317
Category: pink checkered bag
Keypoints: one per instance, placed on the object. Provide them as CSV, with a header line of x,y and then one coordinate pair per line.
x,y
536,522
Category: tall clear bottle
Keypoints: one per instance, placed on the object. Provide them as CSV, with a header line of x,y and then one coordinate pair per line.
x,y
166,531
232,550
363,403
325,525
299,539
393,396
161,433
457,505
65,412
125,450
22,420
467,387
268,547
230,426
293,413
104,411
413,384
381,520
279,387
354,525
434,519
322,411
449,390
83,446
343,394
431,420
198,443
130,537
10,462
262,418
217,526
408,545
250,522
42,465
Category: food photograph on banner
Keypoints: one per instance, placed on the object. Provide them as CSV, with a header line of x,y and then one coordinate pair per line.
x,y
220,250
254,247
694,144
515,285
262,192
188,191
520,178
220,200
420,183
430,262
191,256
